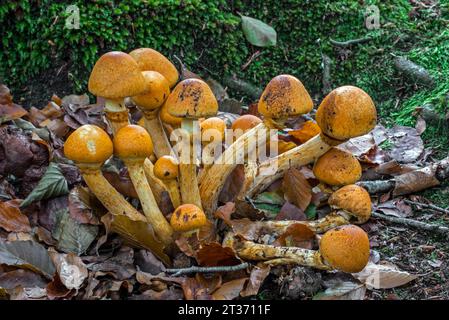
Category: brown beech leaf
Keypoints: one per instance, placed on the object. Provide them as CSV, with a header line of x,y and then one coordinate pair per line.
x,y
137,233
414,181
230,290
12,219
407,144
297,189
120,266
346,290
122,183
233,184
56,289
246,228
296,235
256,279
395,207
28,279
224,212
306,131
83,206
291,212
214,254
9,110
195,290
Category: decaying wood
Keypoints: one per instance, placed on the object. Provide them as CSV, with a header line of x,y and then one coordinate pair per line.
x,y
243,86
427,205
413,223
412,71
411,182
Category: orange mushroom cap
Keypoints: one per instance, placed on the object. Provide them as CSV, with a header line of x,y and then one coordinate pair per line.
x,y
157,91
187,217
245,122
88,144
346,112
192,98
354,200
214,123
166,168
283,97
133,142
345,248
337,168
152,60
116,75
167,117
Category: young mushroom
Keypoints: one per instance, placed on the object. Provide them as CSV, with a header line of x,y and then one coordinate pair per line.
x,y
166,169
151,60
157,91
345,113
283,97
114,77
244,123
337,168
345,248
133,145
89,147
212,137
188,219
190,100
349,204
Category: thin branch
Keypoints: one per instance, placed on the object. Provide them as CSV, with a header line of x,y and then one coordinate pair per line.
x,y
196,269
413,223
427,205
349,42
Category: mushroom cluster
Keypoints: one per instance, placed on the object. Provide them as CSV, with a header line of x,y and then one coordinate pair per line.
x,y
193,153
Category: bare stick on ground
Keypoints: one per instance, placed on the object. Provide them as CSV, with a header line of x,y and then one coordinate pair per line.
x,y
196,269
414,223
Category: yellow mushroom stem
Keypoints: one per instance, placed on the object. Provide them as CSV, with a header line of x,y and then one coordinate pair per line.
x,y
213,179
107,194
249,250
173,190
154,127
258,178
188,183
152,212
157,186
116,113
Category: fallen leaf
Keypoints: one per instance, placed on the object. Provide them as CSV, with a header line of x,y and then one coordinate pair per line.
x,y
296,235
415,181
214,254
120,266
297,189
84,206
25,278
12,219
395,207
407,145
379,276
72,236
230,290
306,131
147,262
256,279
291,212
258,33
343,291
56,289
224,212
70,268
9,110
52,184
28,255
233,184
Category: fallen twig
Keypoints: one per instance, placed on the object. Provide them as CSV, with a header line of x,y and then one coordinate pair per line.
x,y
349,42
413,223
427,205
243,86
413,72
196,269
412,181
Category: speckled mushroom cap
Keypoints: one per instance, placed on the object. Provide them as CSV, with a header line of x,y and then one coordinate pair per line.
x,y
354,200
88,144
245,122
152,60
187,217
166,168
346,112
168,118
283,97
156,91
345,248
337,168
213,123
192,98
132,142
116,75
